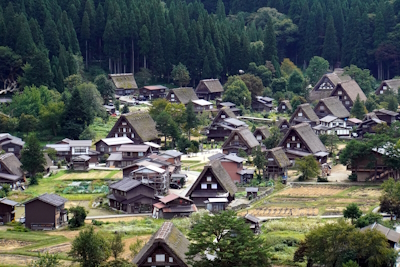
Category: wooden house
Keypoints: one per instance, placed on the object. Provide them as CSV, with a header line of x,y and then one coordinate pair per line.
x,y
151,92
332,125
157,161
11,144
261,133
304,113
392,85
331,106
387,116
209,89
254,223
230,106
173,206
262,104
278,163
234,167
353,122
391,235
137,126
181,95
7,210
202,105
80,163
125,83
10,171
213,189
223,124
173,157
282,124
327,83
167,247
153,176
301,141
72,149
369,124
46,212
131,196
285,107
127,154
240,138
347,93
112,144
251,192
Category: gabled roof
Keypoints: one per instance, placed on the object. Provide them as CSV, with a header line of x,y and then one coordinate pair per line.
x,y
154,87
264,130
280,157
352,89
308,136
280,121
184,95
230,157
287,104
335,106
220,174
225,110
115,141
390,234
171,153
245,134
8,202
393,85
354,120
235,122
387,112
80,143
12,164
213,85
307,111
52,199
227,104
202,102
172,197
133,148
328,118
123,80
126,184
151,168
264,99
252,218
170,238
142,123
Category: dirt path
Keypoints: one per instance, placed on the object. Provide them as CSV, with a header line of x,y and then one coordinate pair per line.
x,y
132,240
339,174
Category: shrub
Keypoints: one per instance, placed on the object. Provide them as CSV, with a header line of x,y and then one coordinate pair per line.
x,y
79,214
322,179
353,177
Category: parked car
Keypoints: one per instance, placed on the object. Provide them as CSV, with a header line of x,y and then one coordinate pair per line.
x,y
175,186
22,220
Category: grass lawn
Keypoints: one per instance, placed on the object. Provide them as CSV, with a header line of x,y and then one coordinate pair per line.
x,y
91,175
102,129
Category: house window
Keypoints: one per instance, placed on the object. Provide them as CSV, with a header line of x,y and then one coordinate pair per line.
x,y
10,149
124,130
283,107
270,159
381,92
102,149
171,259
288,145
347,102
172,96
293,138
222,116
124,134
123,123
132,135
149,259
321,108
140,154
129,130
236,137
384,87
208,178
160,258
300,114
116,135
214,186
298,145
203,186
345,97
109,149
259,137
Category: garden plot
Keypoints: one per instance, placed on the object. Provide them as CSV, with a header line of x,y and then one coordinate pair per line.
x,y
311,191
366,193
7,244
283,212
61,248
91,175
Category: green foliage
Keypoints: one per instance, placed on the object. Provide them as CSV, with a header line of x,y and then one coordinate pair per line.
x,y
78,219
125,109
358,110
116,245
368,219
237,93
363,77
296,83
5,190
390,198
191,119
308,167
34,180
46,260
87,134
143,77
37,71
318,66
350,263
32,157
274,139
224,235
253,83
393,104
352,212
90,249
180,74
105,86
242,153
259,159
330,141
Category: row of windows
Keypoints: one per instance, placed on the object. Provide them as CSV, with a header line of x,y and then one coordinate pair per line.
x,y
124,135
205,186
160,258
124,130
298,145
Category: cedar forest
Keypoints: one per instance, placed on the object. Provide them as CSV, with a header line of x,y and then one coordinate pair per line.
x,y
62,45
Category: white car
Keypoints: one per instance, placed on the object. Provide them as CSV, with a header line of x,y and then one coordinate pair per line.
x,y
22,220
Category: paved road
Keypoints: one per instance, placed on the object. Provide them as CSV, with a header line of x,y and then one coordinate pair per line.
x,y
192,176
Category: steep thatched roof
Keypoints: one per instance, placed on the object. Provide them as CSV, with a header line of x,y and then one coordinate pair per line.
x,y
12,164
143,124
393,85
123,81
387,112
184,95
336,107
220,174
334,77
308,136
264,130
245,134
170,238
352,89
307,111
213,85
287,104
280,157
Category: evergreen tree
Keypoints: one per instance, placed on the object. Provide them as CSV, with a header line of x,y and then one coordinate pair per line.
x,y
358,110
85,35
379,33
220,10
24,45
393,104
157,53
32,157
295,82
144,43
51,37
191,119
37,71
330,48
180,74
270,50
3,29
75,118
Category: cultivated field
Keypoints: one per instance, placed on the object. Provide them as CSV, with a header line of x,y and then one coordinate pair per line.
x,y
91,175
309,191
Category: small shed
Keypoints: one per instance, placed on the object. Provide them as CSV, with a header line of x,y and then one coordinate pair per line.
x,y
251,191
254,223
80,163
7,210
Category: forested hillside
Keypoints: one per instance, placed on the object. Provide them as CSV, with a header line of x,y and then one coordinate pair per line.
x,y
213,38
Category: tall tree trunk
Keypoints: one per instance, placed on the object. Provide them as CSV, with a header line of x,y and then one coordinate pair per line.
x,y
165,141
133,56
86,63
145,63
109,64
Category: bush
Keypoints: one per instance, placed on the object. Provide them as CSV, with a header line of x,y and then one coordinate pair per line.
x,y
353,177
280,247
97,223
322,179
18,228
59,165
34,180
78,220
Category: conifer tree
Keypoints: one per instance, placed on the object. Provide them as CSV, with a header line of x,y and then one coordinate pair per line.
x,y
144,43
358,110
270,50
85,35
157,52
51,37
330,48
379,33
32,157
37,71
24,45
3,29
